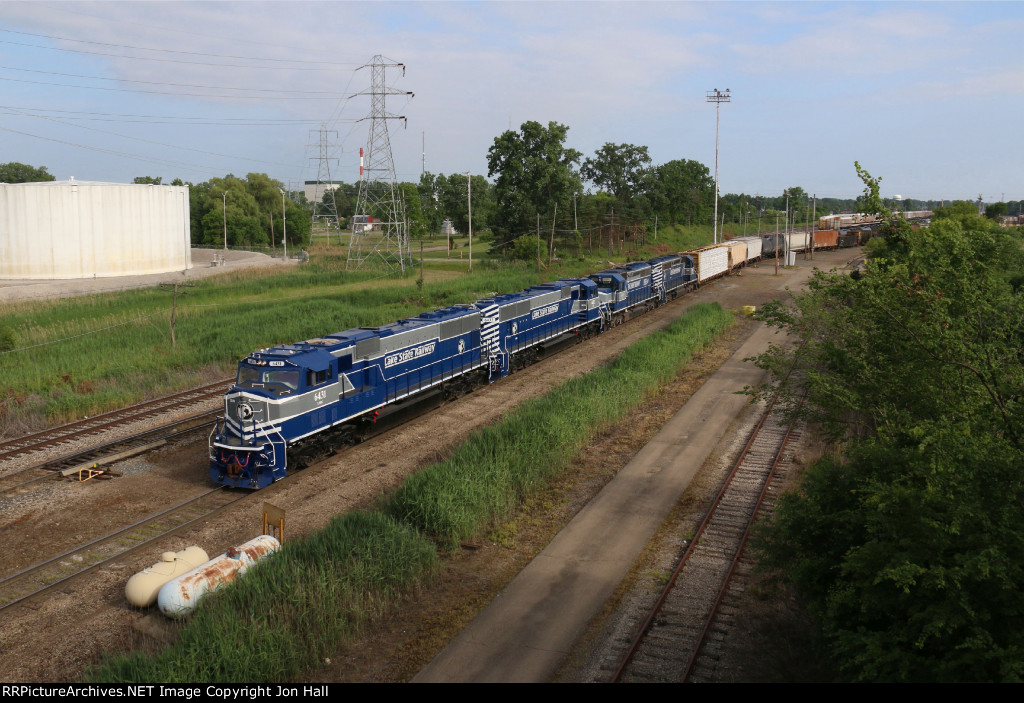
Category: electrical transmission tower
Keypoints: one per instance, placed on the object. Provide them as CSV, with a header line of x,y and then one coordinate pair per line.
x,y
379,227
325,186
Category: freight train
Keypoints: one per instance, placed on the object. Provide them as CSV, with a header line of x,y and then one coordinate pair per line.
x,y
292,404
853,219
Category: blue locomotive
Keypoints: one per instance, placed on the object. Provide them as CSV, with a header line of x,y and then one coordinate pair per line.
x,y
293,404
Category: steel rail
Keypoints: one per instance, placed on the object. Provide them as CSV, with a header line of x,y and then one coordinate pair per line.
x,y
724,587
86,426
106,538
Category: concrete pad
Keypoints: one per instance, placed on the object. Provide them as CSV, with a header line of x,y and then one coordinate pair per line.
x,y
528,629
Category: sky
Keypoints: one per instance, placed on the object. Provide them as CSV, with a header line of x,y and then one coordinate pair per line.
x,y
927,96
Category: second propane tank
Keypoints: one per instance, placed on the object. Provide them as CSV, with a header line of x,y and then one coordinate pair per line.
x,y
179,597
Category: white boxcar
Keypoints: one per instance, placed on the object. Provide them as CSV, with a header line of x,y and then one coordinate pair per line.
x,y
83,229
796,241
712,261
753,246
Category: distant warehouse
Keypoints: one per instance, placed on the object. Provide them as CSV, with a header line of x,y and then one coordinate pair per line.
x,y
84,229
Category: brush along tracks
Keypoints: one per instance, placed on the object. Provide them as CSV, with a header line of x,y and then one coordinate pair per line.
x,y
55,436
37,580
682,637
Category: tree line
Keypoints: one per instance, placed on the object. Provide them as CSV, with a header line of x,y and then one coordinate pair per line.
x,y
536,185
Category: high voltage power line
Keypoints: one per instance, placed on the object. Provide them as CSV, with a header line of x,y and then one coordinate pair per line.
x,y
326,65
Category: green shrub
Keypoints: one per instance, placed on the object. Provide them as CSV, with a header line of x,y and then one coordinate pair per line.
x,y
8,340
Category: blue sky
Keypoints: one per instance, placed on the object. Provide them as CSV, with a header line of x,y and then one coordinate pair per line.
x,y
928,96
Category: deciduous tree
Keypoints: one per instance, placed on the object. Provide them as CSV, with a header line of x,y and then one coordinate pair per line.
x,y
535,173
15,172
620,169
910,549
683,189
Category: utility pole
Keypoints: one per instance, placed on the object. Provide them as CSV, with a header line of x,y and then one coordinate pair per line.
x,y
718,97
225,220
469,202
776,242
787,238
759,212
284,221
551,241
814,219
538,242
810,235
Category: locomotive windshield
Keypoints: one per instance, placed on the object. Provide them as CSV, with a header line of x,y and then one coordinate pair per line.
x,y
250,377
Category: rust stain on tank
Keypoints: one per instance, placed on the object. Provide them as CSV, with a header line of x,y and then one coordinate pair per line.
x,y
220,571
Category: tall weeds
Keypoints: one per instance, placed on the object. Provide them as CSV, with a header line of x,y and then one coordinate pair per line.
x,y
458,498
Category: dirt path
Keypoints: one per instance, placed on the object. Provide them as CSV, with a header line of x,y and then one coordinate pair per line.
x,y
202,267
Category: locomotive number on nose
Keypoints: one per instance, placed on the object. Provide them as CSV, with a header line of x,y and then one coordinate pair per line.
x,y
320,396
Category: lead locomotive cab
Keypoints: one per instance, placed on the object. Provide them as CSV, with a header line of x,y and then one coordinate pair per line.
x,y
278,393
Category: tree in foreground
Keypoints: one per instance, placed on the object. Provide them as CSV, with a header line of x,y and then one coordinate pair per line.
x,y
910,546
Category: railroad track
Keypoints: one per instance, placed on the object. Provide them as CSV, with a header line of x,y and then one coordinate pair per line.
x,y
23,480
98,424
682,636
37,580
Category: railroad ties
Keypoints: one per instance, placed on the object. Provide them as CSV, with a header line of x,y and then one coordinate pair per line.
x,y
683,636
44,576
90,460
98,424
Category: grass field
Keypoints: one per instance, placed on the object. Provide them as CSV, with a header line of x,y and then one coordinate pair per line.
x,y
80,356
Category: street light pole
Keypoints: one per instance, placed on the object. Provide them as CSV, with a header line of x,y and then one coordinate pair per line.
x,y
225,220
718,97
469,206
284,221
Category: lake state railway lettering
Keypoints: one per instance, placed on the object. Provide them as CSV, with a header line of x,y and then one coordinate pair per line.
x,y
408,354
544,312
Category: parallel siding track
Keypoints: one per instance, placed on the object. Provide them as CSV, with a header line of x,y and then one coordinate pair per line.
x,y
98,424
37,580
680,639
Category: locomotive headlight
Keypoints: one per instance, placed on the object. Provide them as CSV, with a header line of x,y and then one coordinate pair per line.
x,y
244,411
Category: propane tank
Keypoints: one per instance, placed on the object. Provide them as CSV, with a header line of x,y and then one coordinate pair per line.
x,y
178,597
142,588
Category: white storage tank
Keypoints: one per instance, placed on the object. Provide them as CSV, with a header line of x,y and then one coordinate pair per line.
x,y
83,229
